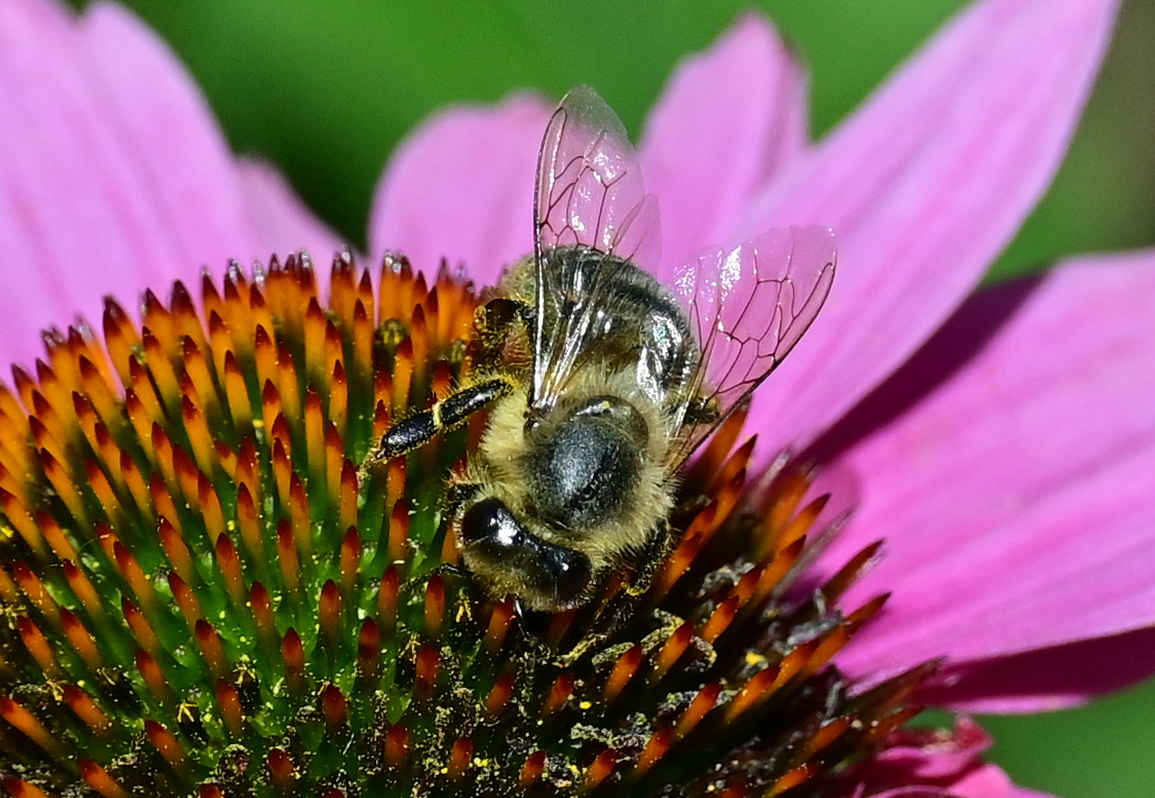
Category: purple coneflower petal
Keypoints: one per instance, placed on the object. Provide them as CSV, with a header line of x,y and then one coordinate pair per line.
x,y
926,763
146,97
1047,678
727,120
1015,497
77,185
985,781
115,176
924,186
461,188
279,222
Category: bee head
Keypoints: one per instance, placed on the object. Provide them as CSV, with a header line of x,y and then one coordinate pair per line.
x,y
510,559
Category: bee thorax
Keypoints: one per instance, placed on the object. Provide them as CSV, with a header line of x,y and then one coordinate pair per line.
x,y
584,468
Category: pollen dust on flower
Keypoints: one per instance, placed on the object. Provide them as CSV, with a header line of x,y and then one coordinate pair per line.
x,y
200,597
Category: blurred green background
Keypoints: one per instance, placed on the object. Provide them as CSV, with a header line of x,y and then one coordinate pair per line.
x,y
326,88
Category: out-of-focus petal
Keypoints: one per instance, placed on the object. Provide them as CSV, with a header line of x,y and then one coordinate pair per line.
x,y
727,120
186,172
110,156
461,187
990,781
1045,679
924,186
934,754
925,763
279,222
1015,497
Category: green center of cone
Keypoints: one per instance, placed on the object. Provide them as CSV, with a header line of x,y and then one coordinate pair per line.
x,y
203,596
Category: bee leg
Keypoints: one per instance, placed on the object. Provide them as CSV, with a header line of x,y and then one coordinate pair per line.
x,y
493,323
534,623
419,428
653,557
702,410
451,568
455,495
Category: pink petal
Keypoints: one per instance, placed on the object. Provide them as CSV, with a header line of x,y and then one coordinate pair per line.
x,y
1045,679
461,187
924,186
934,755
990,781
727,120
186,169
926,763
279,222
1015,498
113,175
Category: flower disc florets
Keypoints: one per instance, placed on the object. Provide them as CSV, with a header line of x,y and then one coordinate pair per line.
x,y
203,593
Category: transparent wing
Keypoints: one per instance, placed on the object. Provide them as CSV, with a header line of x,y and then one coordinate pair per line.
x,y
748,307
589,188
589,194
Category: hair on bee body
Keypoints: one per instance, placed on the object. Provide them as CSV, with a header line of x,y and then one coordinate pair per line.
x,y
599,489
600,381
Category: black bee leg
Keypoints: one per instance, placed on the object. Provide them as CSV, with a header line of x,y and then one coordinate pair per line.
x,y
456,494
422,579
701,410
534,623
653,557
419,428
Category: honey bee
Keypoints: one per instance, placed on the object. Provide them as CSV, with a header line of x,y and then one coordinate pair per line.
x,y
600,380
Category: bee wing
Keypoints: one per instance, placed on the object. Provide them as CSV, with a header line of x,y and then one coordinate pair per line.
x,y
748,307
589,194
589,187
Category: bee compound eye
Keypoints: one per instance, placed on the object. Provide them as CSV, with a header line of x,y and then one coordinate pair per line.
x,y
544,573
491,521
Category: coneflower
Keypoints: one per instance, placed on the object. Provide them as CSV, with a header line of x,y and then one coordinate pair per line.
x,y
202,597
1007,463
